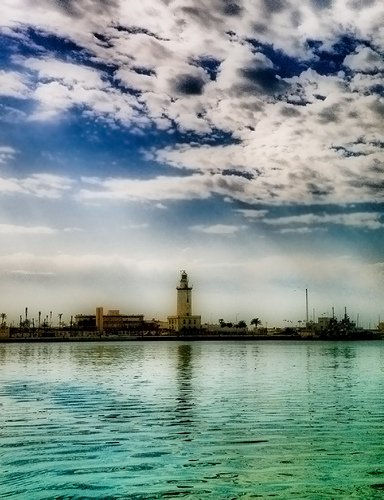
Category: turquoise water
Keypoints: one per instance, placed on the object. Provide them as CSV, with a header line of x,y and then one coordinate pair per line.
x,y
192,420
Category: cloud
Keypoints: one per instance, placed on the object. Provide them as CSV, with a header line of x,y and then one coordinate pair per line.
x,y
41,185
63,85
82,8
250,70
64,263
32,274
189,85
143,225
6,153
156,189
250,213
364,59
11,229
218,229
73,229
13,84
363,220
296,230
161,188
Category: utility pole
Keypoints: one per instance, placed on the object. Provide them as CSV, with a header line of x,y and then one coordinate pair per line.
x,y
357,320
333,312
306,305
39,320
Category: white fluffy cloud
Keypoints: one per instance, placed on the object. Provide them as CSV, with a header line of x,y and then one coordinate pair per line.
x,y
63,85
156,189
40,185
68,73
13,84
364,59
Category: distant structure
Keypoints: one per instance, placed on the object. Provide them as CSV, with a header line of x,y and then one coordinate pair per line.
x,y
184,320
4,331
113,321
323,323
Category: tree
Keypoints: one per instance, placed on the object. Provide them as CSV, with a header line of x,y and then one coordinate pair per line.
x,y
241,324
3,318
256,322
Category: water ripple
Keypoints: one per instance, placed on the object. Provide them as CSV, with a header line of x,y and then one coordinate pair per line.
x,y
199,420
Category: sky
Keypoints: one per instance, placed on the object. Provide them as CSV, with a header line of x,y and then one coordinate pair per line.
x,y
240,140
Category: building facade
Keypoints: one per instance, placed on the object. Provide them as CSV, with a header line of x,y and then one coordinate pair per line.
x,y
184,319
114,321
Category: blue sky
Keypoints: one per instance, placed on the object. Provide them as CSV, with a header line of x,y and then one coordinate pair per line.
x,y
241,140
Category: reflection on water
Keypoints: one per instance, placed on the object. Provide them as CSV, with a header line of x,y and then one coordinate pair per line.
x,y
193,420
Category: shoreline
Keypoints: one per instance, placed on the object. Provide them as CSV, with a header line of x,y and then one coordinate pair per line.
x,y
173,338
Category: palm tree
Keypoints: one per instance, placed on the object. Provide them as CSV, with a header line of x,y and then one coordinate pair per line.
x,y
256,322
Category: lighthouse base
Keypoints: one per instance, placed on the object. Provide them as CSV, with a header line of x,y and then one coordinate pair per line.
x,y
178,323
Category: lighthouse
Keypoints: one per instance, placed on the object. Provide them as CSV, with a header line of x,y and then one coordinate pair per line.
x,y
184,320
184,296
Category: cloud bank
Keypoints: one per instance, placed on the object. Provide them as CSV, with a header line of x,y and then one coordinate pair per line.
x,y
295,88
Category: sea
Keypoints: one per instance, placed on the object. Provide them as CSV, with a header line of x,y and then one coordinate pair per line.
x,y
194,420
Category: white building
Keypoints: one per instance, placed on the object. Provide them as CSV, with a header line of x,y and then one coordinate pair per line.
x,y
184,320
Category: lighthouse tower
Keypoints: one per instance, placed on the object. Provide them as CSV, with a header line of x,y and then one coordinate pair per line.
x,y
184,296
184,320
